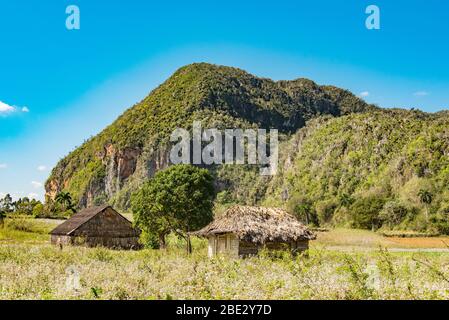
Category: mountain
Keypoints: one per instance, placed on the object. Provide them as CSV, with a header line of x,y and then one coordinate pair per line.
x,y
113,164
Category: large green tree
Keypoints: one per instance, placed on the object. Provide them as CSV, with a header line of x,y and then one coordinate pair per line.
x,y
178,199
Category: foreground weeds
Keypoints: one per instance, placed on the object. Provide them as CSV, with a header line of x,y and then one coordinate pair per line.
x,y
46,272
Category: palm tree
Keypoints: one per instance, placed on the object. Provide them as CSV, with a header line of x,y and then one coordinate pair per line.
x,y
426,198
65,199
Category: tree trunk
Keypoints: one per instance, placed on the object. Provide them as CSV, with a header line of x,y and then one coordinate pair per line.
x,y
427,213
189,244
162,243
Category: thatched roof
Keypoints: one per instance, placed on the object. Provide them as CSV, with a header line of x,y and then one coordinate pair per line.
x,y
258,224
80,218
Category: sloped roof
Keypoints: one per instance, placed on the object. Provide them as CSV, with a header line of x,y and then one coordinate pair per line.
x,y
258,225
78,219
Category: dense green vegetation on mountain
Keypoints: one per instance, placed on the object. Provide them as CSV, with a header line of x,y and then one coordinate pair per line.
x,y
388,168
342,161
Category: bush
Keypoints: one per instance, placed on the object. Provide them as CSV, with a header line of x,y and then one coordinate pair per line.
x,y
393,212
325,210
365,212
38,210
302,208
342,217
20,224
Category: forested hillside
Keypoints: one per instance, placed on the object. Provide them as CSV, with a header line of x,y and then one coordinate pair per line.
x,y
385,168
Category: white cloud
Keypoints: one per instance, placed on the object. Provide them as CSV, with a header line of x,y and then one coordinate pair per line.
x,y
2,195
3,166
364,94
42,168
420,93
36,184
6,109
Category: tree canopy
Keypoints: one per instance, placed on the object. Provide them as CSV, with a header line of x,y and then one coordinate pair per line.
x,y
178,199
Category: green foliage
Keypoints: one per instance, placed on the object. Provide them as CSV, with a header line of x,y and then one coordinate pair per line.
x,y
358,278
325,210
393,213
6,204
339,161
178,199
365,212
302,208
65,200
38,210
22,206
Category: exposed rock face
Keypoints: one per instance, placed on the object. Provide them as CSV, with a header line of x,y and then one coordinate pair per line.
x,y
111,165
52,189
120,165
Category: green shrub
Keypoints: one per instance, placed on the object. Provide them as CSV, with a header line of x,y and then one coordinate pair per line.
x,y
365,212
20,224
393,213
325,210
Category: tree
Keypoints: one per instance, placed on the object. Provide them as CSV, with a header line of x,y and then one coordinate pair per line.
x,y
23,206
65,199
302,208
426,198
178,199
365,212
38,210
393,213
6,204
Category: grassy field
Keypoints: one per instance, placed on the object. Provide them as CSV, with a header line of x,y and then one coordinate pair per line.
x,y
345,239
30,268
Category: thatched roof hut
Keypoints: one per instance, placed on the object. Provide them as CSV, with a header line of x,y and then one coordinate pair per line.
x,y
97,226
243,230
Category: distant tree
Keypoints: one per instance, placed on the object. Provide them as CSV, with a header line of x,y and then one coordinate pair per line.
x,y
65,200
393,213
426,198
302,210
6,204
365,212
38,210
23,206
178,199
325,209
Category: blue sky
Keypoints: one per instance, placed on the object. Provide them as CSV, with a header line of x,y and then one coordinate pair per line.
x,y
59,87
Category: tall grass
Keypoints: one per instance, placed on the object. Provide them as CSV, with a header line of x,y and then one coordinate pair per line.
x,y
42,272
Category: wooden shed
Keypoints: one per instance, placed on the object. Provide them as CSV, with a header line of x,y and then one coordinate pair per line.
x,y
97,226
244,230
